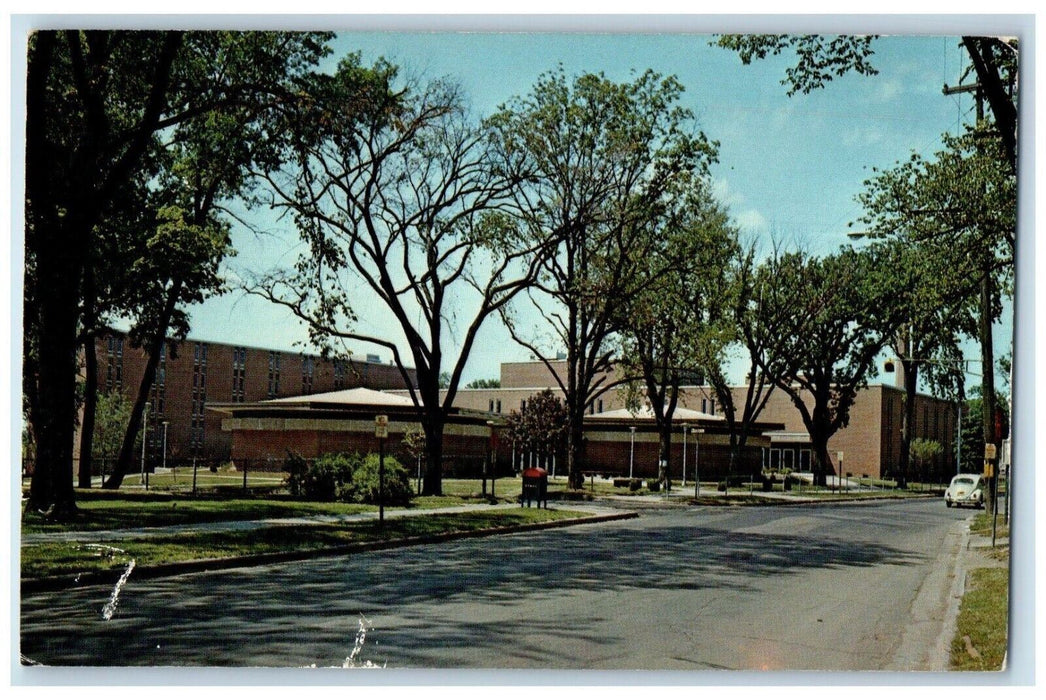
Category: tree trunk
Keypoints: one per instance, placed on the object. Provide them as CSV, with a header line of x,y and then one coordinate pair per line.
x,y
664,454
54,249
432,483
90,406
51,488
159,336
911,377
822,462
575,446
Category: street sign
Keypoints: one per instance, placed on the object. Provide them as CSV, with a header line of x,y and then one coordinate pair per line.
x,y
381,427
989,451
989,469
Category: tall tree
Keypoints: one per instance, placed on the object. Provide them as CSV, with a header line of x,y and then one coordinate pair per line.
x,y
746,328
835,316
406,199
94,101
99,105
205,164
671,328
602,159
957,212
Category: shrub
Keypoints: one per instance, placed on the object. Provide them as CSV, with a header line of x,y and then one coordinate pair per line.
x,y
653,484
347,477
364,485
323,480
295,466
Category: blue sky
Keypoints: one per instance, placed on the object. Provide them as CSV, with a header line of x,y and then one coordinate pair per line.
x,y
789,167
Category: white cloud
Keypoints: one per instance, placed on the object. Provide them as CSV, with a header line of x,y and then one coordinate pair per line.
x,y
752,221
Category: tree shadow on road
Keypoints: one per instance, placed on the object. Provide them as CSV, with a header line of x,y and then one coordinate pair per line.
x,y
305,613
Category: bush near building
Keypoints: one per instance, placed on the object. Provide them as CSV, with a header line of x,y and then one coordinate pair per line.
x,y
350,478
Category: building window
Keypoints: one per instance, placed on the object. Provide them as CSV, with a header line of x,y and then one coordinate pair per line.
x,y
522,405
239,373
274,374
160,382
599,406
498,406
308,366
199,397
704,405
339,374
711,407
114,363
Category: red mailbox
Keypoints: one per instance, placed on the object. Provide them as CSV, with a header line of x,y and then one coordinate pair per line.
x,y
535,487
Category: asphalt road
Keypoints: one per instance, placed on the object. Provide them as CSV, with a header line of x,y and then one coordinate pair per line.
x,y
835,587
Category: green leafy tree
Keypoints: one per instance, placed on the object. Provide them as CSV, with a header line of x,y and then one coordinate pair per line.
x,y
835,316
539,428
673,326
974,429
956,212
101,109
484,384
745,328
406,199
923,452
603,160
113,415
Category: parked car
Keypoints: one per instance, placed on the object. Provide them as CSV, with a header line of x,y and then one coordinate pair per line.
x,y
965,490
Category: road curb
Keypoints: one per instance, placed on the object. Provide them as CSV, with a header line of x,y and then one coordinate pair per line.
x,y
144,572
756,501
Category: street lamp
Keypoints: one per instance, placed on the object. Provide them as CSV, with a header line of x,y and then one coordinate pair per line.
x,y
632,451
697,466
165,423
686,430
145,433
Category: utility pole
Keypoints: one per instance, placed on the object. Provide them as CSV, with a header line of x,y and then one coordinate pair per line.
x,y
984,329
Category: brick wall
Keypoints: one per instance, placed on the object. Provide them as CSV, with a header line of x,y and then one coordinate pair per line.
x,y
182,365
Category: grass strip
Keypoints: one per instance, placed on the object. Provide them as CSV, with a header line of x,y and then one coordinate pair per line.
x,y
161,510
982,525
50,559
983,620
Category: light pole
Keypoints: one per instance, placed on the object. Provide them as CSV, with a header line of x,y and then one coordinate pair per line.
x,y
686,430
165,445
632,451
145,433
697,465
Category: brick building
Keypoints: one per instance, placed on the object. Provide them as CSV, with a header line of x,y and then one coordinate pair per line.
x,y
264,432
195,373
870,444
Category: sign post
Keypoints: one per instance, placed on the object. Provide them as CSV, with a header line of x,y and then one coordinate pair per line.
x,y
993,495
381,431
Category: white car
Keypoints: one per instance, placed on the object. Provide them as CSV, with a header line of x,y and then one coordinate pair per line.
x,y
965,490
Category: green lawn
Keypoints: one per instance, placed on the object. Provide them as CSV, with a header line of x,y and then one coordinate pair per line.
x,y
100,510
72,558
983,619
